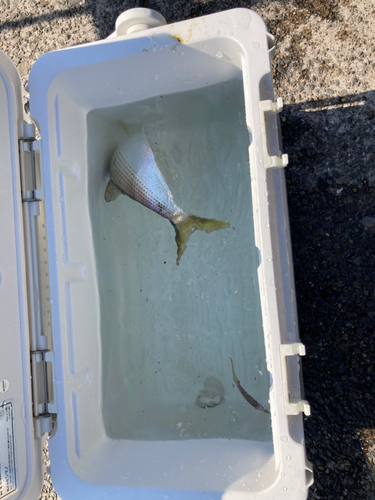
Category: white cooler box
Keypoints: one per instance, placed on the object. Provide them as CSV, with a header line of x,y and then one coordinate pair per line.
x,y
121,356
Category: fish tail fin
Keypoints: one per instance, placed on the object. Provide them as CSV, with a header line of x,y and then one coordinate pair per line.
x,y
186,224
112,192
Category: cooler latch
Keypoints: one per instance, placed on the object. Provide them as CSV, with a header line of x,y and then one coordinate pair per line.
x,y
44,391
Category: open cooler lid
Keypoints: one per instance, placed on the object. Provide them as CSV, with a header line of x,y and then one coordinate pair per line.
x,y
20,449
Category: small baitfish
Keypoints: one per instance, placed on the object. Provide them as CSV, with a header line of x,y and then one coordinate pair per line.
x,y
245,394
133,171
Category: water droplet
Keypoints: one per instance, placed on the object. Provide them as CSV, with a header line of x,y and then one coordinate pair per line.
x,y
284,439
264,180
218,32
288,457
255,45
231,33
285,488
267,224
265,193
220,21
220,308
219,55
283,474
156,77
269,260
52,301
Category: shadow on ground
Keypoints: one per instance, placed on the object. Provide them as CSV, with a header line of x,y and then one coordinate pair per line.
x,y
330,182
48,16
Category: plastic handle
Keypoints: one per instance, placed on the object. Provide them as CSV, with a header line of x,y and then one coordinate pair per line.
x,y
292,406
269,106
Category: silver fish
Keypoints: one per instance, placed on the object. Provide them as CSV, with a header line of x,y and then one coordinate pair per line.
x,y
133,171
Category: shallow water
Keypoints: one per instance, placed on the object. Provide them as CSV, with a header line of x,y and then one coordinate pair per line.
x,y
168,331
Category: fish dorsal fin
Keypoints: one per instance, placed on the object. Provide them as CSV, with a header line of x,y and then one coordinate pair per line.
x,y
112,192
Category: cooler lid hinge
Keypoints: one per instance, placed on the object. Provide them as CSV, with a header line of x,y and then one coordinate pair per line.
x,y
43,391
42,358
31,164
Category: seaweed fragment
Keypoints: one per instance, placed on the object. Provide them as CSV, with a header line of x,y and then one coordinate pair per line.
x,y
245,394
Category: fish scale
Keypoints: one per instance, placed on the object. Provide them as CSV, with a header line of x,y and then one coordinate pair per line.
x,y
137,158
135,186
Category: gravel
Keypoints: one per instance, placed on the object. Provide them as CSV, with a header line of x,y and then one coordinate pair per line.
x,y
368,222
324,69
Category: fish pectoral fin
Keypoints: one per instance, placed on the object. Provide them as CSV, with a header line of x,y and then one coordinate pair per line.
x,y
112,192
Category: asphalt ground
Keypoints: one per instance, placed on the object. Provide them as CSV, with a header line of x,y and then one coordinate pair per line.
x,y
324,69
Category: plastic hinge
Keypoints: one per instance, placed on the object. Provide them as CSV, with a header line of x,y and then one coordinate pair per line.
x,y
265,107
39,193
43,425
49,357
31,146
27,131
44,391
32,240
292,406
